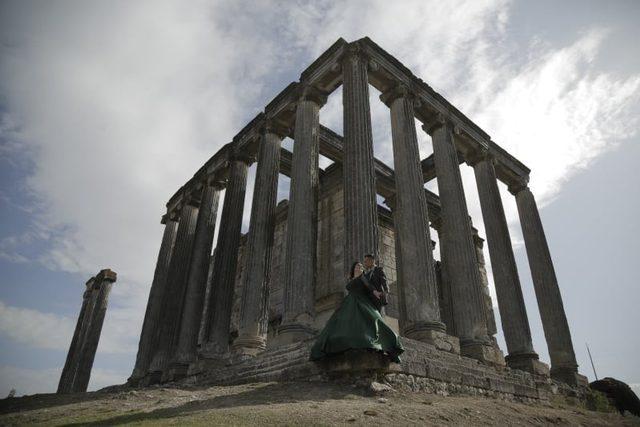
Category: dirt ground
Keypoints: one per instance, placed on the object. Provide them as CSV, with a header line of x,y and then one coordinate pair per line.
x,y
291,403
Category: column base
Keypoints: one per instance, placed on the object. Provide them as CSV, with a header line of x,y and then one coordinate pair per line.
x,y
433,333
569,376
249,345
152,378
527,362
176,371
290,333
482,351
135,381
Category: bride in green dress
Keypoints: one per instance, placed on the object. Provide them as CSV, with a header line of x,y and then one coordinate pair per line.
x,y
357,324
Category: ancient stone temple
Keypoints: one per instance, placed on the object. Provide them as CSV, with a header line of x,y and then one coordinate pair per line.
x,y
77,368
252,310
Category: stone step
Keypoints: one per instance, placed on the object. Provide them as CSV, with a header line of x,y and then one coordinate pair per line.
x,y
273,364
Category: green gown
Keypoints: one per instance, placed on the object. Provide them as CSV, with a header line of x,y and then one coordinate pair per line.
x,y
356,324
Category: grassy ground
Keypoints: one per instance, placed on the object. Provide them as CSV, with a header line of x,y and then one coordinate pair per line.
x,y
291,403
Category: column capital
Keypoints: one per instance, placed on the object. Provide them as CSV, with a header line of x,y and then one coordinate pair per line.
x,y
355,52
270,125
309,92
477,156
517,186
215,182
106,275
397,91
89,283
169,216
242,156
192,197
438,121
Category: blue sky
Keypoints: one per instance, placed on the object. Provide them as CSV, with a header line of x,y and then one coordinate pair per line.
x,y
106,109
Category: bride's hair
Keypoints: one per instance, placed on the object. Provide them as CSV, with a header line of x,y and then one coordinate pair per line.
x,y
353,268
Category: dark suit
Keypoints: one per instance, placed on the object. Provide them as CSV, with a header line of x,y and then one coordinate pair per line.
x,y
378,281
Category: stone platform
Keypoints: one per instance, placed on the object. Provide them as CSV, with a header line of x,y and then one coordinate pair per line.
x,y
423,367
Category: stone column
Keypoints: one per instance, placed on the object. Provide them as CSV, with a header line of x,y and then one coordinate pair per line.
x,y
302,221
444,291
171,308
254,315
187,339
458,249
70,365
220,302
150,326
102,286
360,206
545,283
513,313
411,221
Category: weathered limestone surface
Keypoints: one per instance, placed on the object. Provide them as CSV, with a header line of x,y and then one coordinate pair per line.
x,y
172,303
515,323
149,333
70,365
225,263
300,267
185,351
456,240
431,369
457,246
545,283
102,287
418,287
281,282
254,319
361,226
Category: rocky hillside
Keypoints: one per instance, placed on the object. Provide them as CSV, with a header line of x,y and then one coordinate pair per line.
x,y
291,403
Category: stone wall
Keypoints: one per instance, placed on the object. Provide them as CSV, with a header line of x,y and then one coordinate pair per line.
x,y
331,272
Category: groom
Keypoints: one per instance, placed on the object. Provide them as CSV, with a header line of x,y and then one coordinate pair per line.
x,y
375,275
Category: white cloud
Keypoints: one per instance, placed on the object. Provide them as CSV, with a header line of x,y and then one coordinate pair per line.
x,y
118,105
53,332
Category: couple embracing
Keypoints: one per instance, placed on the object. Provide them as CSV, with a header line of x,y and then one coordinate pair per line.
x,y
357,323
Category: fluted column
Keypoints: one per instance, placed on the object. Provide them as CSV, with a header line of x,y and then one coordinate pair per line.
x,y
70,365
187,338
458,247
151,323
254,316
420,295
220,302
102,285
545,283
302,221
171,308
513,313
360,206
